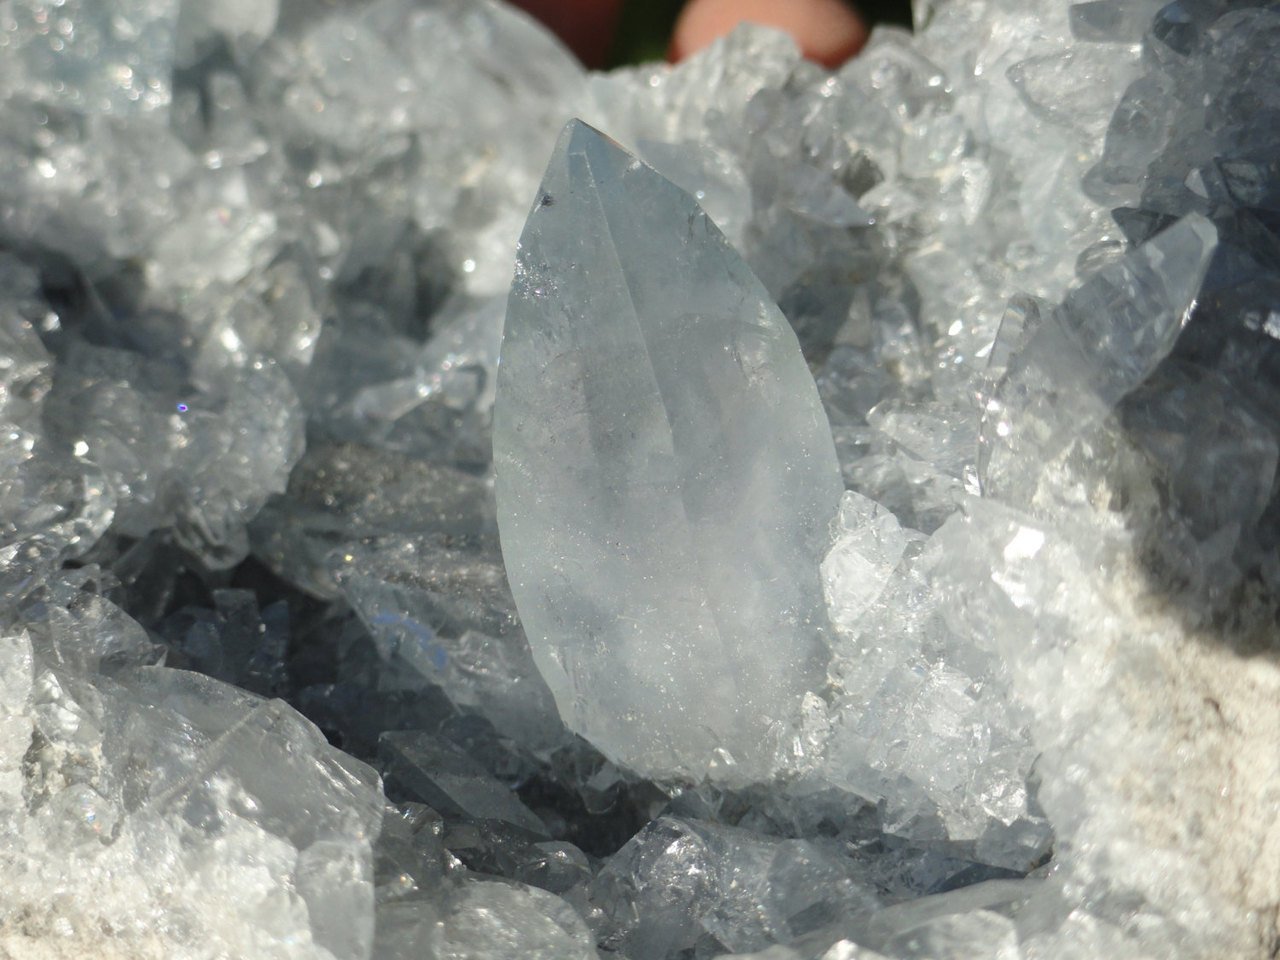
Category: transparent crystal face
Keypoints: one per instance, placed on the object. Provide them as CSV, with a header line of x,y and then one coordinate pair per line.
x,y
663,468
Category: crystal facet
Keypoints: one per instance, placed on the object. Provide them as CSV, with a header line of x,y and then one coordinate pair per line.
x,y
665,473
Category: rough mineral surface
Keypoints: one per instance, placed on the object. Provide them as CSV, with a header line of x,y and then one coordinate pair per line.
x,y
901,582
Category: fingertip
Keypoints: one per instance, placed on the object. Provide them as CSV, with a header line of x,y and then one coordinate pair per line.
x,y
828,32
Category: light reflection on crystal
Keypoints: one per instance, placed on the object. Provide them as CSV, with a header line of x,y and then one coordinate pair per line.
x,y
255,259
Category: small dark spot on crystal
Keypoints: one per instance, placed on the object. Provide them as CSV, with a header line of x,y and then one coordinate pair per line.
x,y
547,200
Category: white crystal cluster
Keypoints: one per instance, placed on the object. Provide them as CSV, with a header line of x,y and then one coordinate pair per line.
x,y
866,547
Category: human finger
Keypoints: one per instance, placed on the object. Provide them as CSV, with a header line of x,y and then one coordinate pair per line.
x,y
827,31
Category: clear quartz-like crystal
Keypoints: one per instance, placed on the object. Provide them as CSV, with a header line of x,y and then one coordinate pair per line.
x,y
665,473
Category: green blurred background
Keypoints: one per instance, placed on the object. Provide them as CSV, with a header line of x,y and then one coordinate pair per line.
x,y
646,25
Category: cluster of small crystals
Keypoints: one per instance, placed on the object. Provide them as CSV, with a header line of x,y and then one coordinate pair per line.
x,y
264,690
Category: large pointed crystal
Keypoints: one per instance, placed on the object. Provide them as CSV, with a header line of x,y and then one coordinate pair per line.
x,y
665,474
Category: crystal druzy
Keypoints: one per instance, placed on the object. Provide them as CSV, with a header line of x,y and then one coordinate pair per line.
x,y
843,525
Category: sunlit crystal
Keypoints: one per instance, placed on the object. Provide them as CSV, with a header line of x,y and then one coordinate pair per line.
x,y
665,473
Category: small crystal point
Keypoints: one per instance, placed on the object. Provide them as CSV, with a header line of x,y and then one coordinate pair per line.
x,y
1102,342
665,473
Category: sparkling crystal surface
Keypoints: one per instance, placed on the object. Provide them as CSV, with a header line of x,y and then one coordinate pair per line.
x,y
97,57
969,652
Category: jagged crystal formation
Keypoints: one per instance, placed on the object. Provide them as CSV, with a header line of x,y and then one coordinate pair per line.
x,y
663,467
1074,366
265,691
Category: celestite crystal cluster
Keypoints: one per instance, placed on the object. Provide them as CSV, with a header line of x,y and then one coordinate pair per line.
x,y
867,546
